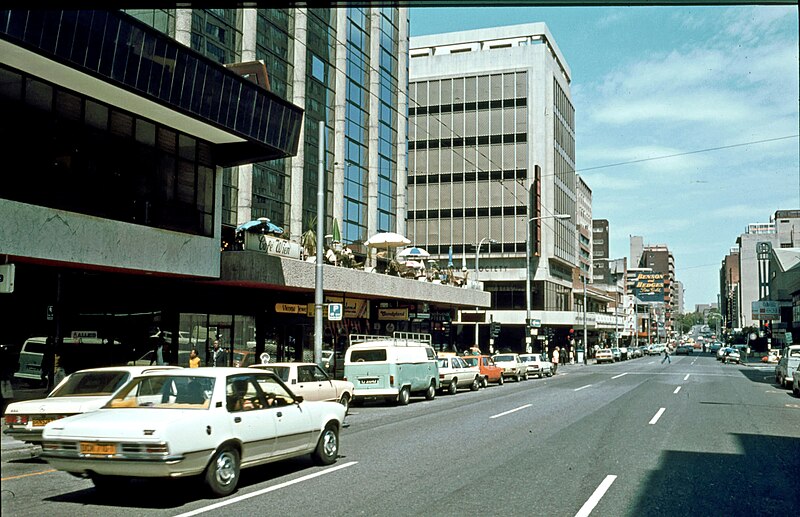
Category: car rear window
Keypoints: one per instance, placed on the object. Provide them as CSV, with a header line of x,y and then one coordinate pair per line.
x,y
91,383
504,358
471,361
368,356
34,347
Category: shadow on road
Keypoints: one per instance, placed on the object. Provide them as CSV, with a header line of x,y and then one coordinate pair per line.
x,y
756,482
175,493
759,376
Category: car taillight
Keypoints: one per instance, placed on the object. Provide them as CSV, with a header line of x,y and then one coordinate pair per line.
x,y
16,419
441,376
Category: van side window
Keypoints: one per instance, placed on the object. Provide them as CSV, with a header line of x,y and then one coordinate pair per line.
x,y
431,353
368,356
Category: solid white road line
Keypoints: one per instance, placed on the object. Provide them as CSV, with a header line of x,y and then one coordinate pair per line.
x,y
579,389
658,415
266,490
598,494
677,389
620,375
652,362
687,377
511,411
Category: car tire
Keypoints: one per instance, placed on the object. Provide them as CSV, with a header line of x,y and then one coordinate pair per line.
x,y
525,377
501,380
476,384
484,382
430,393
328,445
453,388
403,396
345,401
795,391
518,378
550,373
222,473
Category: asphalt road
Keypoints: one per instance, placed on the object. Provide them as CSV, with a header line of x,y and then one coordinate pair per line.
x,y
636,438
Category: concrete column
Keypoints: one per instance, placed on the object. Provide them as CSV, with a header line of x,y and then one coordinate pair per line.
x,y
183,26
339,116
297,166
372,126
401,155
249,19
244,206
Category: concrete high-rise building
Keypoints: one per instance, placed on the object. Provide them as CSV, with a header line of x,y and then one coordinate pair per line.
x,y
491,146
584,233
600,250
677,297
729,290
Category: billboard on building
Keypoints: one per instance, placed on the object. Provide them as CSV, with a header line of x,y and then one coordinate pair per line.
x,y
766,310
649,287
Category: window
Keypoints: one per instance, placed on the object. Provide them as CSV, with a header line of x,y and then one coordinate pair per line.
x,y
317,69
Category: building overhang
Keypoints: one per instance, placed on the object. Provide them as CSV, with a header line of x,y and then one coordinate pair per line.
x,y
116,59
261,271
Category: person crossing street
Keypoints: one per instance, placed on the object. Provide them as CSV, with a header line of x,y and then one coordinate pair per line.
x,y
666,356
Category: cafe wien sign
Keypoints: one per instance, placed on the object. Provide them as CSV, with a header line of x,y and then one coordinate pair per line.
x,y
272,245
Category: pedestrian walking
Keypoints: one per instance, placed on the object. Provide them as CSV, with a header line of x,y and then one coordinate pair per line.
x,y
555,360
666,356
217,355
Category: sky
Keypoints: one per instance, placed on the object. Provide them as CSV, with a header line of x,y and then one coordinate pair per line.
x,y
702,99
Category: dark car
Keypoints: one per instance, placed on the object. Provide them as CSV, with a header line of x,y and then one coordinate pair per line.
x,y
684,349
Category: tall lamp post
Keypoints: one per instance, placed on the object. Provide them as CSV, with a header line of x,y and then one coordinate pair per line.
x,y
528,268
477,259
585,339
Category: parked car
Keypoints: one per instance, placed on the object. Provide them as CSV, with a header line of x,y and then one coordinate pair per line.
x,y
616,354
714,347
454,373
604,355
79,392
721,353
489,371
731,355
684,349
537,365
789,362
623,353
393,368
209,421
796,382
30,360
512,366
657,349
312,382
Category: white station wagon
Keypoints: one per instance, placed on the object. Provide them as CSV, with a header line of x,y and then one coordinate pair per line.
x,y
200,421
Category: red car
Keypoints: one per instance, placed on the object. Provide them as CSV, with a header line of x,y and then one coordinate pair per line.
x,y
489,371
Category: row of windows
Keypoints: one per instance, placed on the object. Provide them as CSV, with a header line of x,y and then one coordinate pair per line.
x,y
437,235
468,123
477,88
467,159
483,175
148,174
447,213
467,106
215,34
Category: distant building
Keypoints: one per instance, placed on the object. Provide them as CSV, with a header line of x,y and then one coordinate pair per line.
x,y
677,297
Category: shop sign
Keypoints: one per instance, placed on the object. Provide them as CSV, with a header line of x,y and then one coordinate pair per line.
x,y
291,308
335,311
393,314
83,334
272,245
353,307
766,310
420,315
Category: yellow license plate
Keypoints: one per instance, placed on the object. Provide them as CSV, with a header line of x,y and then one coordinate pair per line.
x,y
41,422
100,449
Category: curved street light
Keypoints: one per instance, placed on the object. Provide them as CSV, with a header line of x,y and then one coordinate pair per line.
x,y
477,258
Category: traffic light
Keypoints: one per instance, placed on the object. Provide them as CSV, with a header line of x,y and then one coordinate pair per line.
x,y
768,328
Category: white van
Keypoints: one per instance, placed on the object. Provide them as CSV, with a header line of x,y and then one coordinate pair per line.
x,y
392,367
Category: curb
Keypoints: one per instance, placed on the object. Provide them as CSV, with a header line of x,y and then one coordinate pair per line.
x,y
24,451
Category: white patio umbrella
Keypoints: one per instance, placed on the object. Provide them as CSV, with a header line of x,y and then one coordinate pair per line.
x,y
387,240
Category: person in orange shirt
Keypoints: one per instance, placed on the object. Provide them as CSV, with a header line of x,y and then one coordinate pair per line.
x,y
194,359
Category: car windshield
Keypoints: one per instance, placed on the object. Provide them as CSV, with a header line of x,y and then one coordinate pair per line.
x,y
87,384
165,391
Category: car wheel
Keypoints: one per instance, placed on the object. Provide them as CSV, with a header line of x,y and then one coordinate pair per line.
x,y
328,446
518,378
430,393
453,388
345,401
525,377
476,384
795,391
484,382
501,380
550,373
222,474
403,396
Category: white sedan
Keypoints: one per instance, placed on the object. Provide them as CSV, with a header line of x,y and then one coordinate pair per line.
x,y
311,381
79,392
198,421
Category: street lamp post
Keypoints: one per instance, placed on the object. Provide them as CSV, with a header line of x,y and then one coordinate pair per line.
x,y
528,267
585,339
477,259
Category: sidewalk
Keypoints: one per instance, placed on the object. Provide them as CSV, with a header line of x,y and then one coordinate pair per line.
x,y
13,449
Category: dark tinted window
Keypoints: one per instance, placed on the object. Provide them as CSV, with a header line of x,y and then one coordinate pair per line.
x,y
372,355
